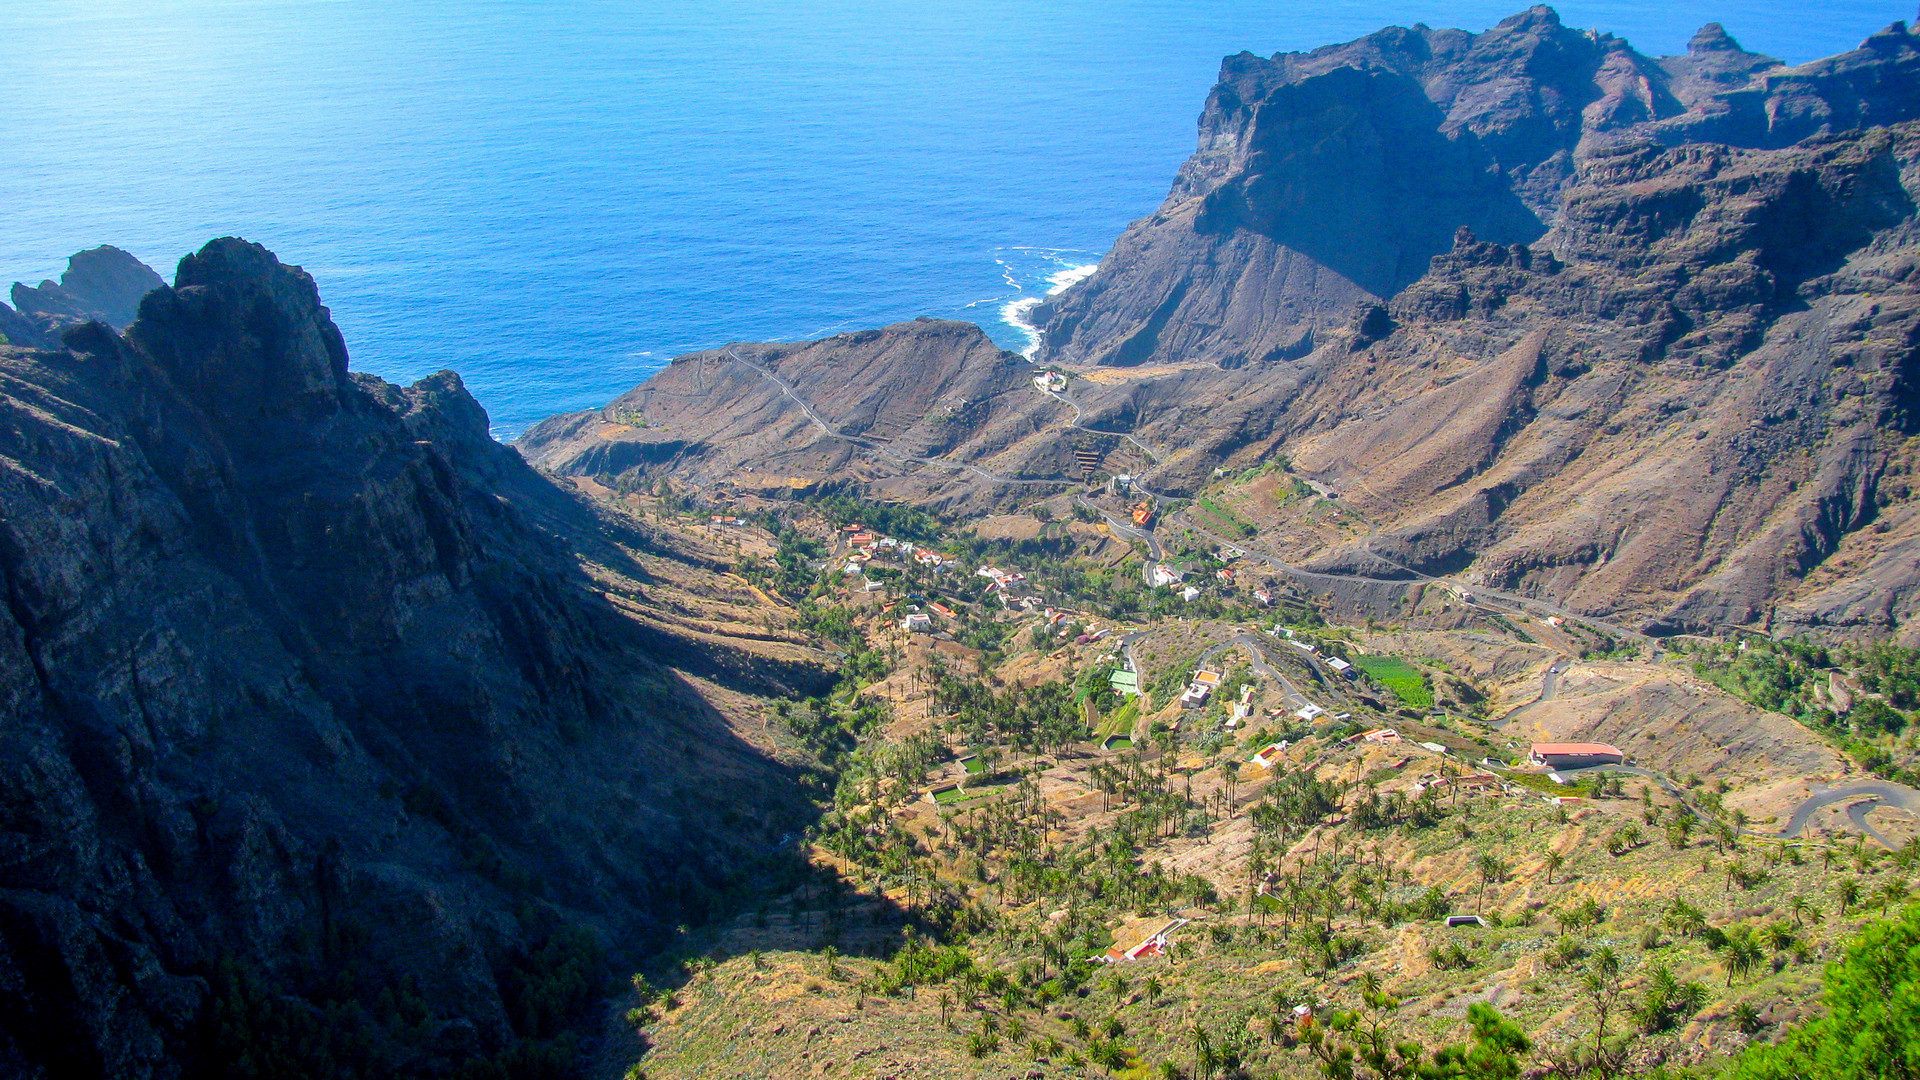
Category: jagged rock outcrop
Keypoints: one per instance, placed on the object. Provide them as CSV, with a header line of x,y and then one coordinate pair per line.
x,y
103,284
318,746
1330,178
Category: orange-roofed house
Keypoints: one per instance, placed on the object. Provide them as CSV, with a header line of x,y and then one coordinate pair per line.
x,y
1575,755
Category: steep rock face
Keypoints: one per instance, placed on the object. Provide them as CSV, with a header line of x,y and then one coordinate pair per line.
x,y
103,284
17,329
1329,179
1688,405
1706,399
304,702
1695,415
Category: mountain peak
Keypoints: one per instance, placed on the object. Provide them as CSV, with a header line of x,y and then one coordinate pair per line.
x,y
1712,38
103,284
1539,16
247,332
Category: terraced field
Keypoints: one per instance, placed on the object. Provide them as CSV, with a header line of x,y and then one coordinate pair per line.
x,y
1397,675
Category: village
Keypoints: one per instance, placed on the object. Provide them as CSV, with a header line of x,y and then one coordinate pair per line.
x,y
1067,755
912,592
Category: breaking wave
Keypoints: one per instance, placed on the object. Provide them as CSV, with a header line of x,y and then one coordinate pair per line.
x,y
1065,273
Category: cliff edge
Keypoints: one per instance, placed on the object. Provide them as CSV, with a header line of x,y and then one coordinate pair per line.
x,y
323,739
1328,179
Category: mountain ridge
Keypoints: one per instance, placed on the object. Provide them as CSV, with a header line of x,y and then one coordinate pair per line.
x,y
316,692
1755,299
1300,201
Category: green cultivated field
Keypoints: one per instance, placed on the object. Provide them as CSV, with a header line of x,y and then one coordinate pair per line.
x,y
1226,517
1398,676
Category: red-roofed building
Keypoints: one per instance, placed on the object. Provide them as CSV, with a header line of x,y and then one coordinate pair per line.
x,y
1575,755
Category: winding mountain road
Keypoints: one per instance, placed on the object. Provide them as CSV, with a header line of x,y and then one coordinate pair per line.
x,y
1882,791
1127,532
1549,686
1294,698
1521,605
1857,813
879,447
1079,424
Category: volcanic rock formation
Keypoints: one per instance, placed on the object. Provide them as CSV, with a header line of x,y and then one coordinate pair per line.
x,y
103,284
309,700
1329,178
1566,345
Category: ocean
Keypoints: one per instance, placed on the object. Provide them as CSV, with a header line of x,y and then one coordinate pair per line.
x,y
554,197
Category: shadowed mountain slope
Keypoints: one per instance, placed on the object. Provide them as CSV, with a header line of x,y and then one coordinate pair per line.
x,y
314,693
103,284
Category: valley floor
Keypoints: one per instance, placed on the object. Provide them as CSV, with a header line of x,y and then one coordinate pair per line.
x,y
1002,823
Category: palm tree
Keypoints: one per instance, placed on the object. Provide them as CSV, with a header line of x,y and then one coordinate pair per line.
x,y
1555,861
1690,998
1799,906
1848,892
1743,953
1205,1061
1602,987
1684,918
1491,869
1108,1056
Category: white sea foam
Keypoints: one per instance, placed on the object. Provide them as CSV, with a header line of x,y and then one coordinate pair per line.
x,y
1066,279
1015,315
1018,313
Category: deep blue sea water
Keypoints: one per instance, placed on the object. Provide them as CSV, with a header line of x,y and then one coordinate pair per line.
x,y
555,196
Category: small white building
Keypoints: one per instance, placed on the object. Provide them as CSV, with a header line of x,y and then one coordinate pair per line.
x,y
1270,754
918,622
